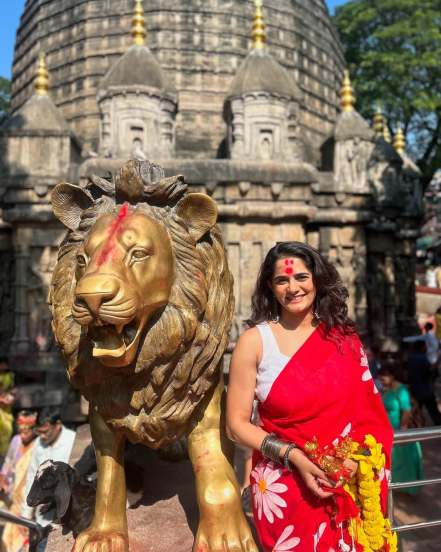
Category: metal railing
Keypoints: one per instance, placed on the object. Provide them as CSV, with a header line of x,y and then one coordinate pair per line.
x,y
411,436
36,532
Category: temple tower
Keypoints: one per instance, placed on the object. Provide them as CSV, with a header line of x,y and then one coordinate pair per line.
x,y
136,102
263,105
199,45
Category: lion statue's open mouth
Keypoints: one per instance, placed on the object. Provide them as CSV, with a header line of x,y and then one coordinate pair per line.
x,y
114,341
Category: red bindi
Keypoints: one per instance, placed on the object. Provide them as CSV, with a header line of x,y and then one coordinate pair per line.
x,y
289,266
114,230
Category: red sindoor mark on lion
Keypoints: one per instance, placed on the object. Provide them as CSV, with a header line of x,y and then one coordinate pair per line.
x,y
114,230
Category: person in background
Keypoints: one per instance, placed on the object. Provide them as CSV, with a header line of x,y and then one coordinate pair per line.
x,y
55,443
431,341
420,380
406,458
13,478
7,399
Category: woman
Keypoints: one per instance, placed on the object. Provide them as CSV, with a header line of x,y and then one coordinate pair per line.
x,y
407,457
318,408
13,479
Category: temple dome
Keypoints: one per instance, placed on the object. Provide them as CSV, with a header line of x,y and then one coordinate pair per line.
x,y
350,124
40,114
137,67
260,72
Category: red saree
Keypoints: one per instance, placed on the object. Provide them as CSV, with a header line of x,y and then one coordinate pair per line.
x,y
325,391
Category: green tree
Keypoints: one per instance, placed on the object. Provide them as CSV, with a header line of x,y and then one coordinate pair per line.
x,y
393,50
5,96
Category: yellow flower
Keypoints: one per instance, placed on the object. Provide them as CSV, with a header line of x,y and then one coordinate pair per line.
x,y
372,530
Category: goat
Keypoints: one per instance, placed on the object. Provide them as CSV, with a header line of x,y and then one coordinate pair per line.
x,y
58,486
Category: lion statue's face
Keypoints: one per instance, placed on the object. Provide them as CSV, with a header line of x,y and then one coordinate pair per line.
x,y
124,274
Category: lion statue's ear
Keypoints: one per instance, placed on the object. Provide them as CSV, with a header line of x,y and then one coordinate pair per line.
x,y
68,203
199,212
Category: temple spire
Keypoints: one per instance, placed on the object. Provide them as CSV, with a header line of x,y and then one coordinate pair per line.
x,y
138,24
400,140
258,34
386,131
378,120
347,98
41,82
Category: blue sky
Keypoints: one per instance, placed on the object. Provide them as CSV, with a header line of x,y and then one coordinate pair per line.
x,y
10,17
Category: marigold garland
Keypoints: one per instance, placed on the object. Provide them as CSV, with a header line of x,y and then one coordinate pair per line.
x,y
371,529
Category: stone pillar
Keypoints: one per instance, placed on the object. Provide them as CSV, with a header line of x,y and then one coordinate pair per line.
x,y
237,131
20,344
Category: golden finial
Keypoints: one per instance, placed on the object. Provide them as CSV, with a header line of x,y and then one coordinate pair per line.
x,y
138,24
347,98
41,82
386,132
400,140
258,35
378,120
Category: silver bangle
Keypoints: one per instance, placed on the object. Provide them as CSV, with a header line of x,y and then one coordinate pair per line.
x,y
286,461
271,447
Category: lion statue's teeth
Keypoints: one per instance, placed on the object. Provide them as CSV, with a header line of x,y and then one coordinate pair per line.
x,y
116,353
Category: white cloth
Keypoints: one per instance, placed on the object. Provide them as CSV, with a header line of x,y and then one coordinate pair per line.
x,y
272,363
432,345
58,452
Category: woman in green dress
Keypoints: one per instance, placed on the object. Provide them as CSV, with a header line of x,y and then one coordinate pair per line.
x,y
406,458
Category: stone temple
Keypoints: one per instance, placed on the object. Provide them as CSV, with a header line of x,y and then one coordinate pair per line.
x,y
248,102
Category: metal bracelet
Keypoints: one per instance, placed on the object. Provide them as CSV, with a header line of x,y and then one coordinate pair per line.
x,y
286,461
271,447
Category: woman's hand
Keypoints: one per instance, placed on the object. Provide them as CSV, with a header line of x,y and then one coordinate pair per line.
x,y
313,477
352,466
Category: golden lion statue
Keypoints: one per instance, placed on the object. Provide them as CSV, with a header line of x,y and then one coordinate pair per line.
x,y
142,304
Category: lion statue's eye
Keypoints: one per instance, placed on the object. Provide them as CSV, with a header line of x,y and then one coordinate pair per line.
x,y
138,255
81,261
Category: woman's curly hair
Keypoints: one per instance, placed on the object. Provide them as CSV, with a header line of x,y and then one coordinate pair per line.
x,y
331,295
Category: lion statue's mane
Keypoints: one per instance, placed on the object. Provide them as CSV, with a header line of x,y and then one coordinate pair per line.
x,y
180,354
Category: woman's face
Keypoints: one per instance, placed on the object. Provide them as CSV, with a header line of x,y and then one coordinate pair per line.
x,y
293,286
387,380
26,434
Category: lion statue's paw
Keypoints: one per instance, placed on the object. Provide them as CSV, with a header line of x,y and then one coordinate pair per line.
x,y
93,540
231,537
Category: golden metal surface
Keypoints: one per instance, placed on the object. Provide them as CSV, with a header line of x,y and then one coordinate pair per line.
x,y
142,304
108,530
138,24
378,120
347,98
386,132
400,140
41,82
222,524
258,34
